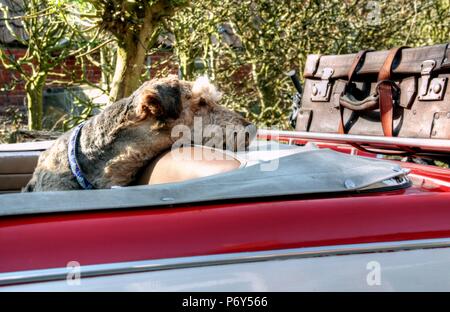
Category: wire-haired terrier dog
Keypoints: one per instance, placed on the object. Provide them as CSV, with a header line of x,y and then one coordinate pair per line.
x,y
110,148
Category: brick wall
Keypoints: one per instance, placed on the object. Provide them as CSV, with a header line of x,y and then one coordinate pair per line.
x,y
12,92
14,98
162,62
10,98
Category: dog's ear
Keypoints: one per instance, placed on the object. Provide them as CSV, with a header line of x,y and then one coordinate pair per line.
x,y
148,105
162,102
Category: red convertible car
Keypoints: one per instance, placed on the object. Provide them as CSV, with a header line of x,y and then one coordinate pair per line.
x,y
304,211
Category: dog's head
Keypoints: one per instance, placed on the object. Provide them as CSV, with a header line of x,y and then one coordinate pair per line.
x,y
182,107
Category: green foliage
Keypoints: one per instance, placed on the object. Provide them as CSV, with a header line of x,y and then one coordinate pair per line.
x,y
54,32
47,46
276,36
134,26
271,37
83,109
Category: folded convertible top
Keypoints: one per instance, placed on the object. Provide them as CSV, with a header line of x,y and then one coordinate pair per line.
x,y
306,172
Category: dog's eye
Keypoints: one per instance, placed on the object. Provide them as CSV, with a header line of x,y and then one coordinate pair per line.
x,y
202,102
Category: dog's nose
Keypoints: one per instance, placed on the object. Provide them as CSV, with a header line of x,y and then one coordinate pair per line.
x,y
246,123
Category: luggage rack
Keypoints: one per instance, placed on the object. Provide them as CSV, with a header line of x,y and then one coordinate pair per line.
x,y
372,144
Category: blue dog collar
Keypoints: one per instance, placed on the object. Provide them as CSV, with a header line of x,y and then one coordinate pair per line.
x,y
73,162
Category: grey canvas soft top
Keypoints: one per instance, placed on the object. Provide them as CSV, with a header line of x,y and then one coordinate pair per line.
x,y
299,172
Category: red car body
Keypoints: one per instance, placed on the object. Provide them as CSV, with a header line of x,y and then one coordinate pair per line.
x,y
44,241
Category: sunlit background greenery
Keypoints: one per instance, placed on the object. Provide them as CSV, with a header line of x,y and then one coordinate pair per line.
x,y
268,38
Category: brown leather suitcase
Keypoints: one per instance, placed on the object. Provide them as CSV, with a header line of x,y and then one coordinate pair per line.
x,y
403,92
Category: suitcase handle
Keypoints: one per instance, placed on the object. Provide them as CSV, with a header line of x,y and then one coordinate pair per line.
x,y
347,100
371,102
383,97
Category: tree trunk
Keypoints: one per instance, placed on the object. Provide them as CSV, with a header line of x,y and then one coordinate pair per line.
x,y
34,91
105,63
130,59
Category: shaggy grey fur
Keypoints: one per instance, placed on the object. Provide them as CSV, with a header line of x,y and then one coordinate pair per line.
x,y
115,144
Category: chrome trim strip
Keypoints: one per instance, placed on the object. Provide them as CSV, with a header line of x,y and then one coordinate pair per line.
x,y
43,275
438,145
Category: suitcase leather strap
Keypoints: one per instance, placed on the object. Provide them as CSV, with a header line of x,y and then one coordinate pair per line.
x,y
384,97
386,88
357,62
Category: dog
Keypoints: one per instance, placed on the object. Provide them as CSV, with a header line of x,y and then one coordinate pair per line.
x,y
110,148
